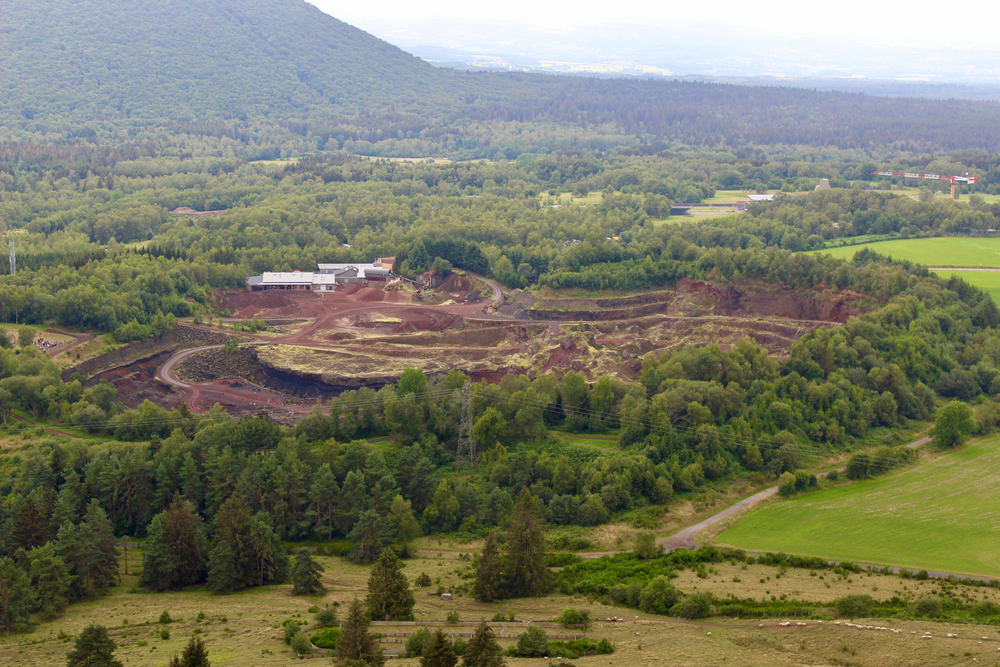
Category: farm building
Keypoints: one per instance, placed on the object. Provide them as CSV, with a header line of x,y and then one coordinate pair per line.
x,y
326,278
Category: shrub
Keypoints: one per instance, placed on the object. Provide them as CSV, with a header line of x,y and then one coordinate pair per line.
x,y
854,606
300,644
326,616
164,633
659,596
327,637
453,617
604,647
571,616
165,617
460,646
927,607
698,605
533,643
291,627
415,643
423,581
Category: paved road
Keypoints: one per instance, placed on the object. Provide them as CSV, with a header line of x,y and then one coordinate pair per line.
x,y
959,268
685,539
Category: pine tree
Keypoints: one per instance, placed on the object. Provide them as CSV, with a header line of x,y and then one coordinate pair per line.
x,y
270,560
483,649
527,573
305,574
489,584
195,654
15,596
438,652
357,647
176,550
93,648
232,561
50,580
105,569
389,595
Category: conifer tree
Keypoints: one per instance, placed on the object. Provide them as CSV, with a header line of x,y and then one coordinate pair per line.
x,y
15,596
93,648
489,584
50,580
527,573
438,652
389,595
195,655
305,574
483,649
357,647
176,551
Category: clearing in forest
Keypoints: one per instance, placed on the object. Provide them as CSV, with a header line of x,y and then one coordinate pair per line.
x,y
941,251
937,516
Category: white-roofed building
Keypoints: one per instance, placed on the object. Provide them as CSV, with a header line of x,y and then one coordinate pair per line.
x,y
325,279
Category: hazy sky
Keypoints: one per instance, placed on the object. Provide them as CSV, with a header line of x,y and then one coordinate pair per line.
x,y
881,22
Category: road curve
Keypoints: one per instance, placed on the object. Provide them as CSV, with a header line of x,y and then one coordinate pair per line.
x,y
685,539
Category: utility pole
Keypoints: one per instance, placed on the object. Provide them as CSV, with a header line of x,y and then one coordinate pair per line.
x,y
466,441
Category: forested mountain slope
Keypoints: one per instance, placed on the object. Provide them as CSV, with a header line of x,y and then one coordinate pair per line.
x,y
186,59
261,71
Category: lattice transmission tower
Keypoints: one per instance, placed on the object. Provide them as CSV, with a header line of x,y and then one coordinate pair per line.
x,y
466,441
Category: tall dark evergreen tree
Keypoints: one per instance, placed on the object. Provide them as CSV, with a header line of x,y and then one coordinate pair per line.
x,y
50,580
305,574
15,597
195,655
93,648
389,595
357,647
489,584
483,649
438,651
527,573
176,551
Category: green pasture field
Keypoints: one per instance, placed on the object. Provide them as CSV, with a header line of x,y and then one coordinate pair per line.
x,y
939,516
941,251
988,281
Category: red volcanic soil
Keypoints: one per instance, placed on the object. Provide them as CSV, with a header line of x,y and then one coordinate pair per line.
x,y
413,320
274,303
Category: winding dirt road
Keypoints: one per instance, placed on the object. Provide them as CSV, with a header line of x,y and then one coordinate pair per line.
x,y
327,310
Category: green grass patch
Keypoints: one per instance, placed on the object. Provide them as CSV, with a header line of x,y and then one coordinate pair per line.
x,y
942,251
988,281
936,516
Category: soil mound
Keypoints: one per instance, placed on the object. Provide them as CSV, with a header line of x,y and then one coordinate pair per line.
x,y
455,283
369,295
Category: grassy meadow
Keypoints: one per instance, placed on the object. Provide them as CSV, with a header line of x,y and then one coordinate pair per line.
x,y
938,516
942,251
245,628
988,281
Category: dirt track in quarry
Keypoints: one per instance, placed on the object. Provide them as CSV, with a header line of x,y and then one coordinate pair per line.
x,y
361,336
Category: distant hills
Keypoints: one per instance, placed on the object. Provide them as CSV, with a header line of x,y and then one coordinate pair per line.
x,y
282,74
190,59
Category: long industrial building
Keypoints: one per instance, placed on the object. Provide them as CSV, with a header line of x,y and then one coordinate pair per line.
x,y
326,278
